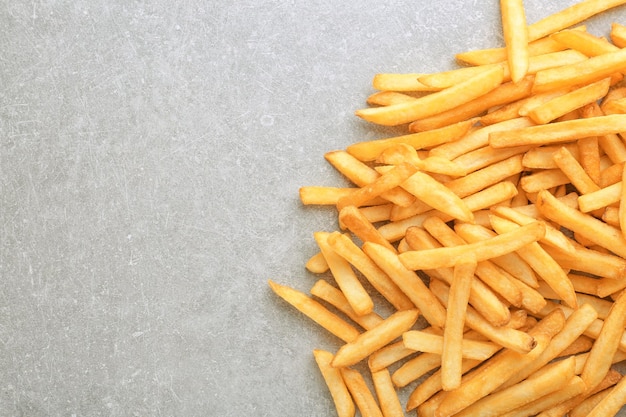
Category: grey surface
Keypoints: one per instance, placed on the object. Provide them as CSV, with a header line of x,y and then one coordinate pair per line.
x,y
150,158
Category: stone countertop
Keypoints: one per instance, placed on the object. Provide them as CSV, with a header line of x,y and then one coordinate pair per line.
x,y
150,158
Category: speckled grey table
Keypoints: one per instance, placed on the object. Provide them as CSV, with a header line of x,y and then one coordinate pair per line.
x,y
150,159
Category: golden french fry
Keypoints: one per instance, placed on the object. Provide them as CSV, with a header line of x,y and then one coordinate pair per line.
x,y
618,35
553,236
570,16
399,82
477,138
388,355
388,98
375,338
584,42
607,343
543,180
503,94
336,385
346,248
600,198
435,102
416,367
515,33
622,204
357,296
316,311
543,264
315,195
317,264
575,325
588,71
323,290
553,378
505,336
432,343
591,228
485,156
494,55
498,369
370,150
386,394
573,100
584,407
483,178
361,393
408,282
452,355
575,386
352,218
574,171
437,196
543,157
483,250
559,132
378,187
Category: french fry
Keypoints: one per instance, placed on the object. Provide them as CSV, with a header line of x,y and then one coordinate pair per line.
x,y
498,369
612,402
370,150
583,42
388,355
494,55
352,218
375,338
402,152
584,408
574,326
515,32
361,393
317,264
618,35
509,337
559,132
316,311
505,93
575,386
553,378
591,70
543,157
388,98
385,392
437,196
477,138
336,385
600,198
606,345
543,180
591,228
408,282
543,264
348,282
569,16
416,367
431,343
485,156
452,355
346,248
622,204
491,275
568,102
325,291
399,82
484,250
435,103
574,171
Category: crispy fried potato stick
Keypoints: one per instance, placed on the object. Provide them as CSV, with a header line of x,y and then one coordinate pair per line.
x,y
435,103
337,387
316,311
570,17
515,32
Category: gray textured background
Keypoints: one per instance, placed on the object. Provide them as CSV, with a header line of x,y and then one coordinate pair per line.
x,y
150,159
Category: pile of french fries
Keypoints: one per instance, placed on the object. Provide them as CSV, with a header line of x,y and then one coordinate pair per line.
x,y
498,222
